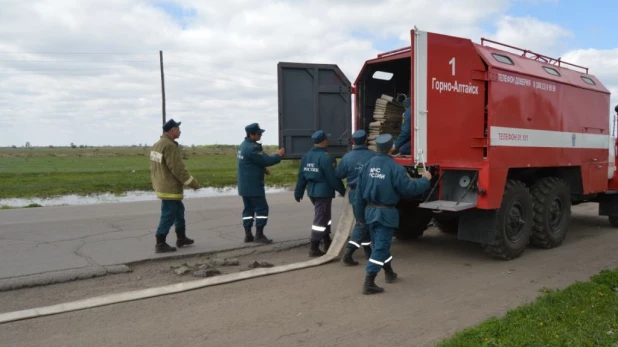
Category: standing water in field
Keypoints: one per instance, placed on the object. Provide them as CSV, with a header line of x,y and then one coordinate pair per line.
x,y
127,197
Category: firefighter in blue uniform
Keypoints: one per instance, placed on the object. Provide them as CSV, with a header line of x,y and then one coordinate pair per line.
x,y
252,164
317,174
350,166
402,143
380,185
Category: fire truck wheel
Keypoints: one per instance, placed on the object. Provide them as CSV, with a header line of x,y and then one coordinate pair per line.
x,y
613,220
513,222
552,207
412,223
446,223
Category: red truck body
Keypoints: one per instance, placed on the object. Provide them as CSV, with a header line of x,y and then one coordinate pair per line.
x,y
513,138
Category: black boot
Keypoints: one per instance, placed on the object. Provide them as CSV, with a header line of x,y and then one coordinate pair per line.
x,y
390,275
162,246
327,242
259,236
370,287
347,257
315,249
248,235
367,250
182,239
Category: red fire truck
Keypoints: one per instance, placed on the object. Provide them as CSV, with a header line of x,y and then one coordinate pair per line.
x,y
513,138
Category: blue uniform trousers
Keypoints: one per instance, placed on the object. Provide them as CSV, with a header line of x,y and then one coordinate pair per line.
x,y
172,213
255,208
381,252
360,233
321,218
406,148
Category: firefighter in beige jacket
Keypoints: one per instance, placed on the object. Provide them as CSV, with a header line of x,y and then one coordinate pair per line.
x,y
169,176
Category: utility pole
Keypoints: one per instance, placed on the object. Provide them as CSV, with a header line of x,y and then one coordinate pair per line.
x,y
162,87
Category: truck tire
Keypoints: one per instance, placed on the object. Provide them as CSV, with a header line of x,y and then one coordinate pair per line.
x,y
613,221
412,223
552,212
446,223
514,221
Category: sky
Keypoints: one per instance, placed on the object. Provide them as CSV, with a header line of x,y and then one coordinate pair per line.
x,y
87,72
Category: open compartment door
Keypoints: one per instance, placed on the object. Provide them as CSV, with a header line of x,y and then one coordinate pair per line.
x,y
312,97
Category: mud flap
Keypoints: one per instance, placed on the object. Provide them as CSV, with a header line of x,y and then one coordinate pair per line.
x,y
608,205
477,226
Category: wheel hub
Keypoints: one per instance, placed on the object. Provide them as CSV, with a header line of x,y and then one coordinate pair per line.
x,y
515,222
555,215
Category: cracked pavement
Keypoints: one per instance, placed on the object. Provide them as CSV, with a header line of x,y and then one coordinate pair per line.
x,y
49,244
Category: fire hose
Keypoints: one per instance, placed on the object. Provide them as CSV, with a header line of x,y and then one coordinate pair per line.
x,y
344,228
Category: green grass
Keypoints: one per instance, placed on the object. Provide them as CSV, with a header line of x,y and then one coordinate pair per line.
x,y
47,172
583,314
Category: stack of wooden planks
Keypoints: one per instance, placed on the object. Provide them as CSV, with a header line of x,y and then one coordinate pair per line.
x,y
388,117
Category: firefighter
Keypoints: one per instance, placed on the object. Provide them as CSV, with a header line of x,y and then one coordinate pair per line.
x,y
380,185
350,166
252,165
316,173
402,143
168,175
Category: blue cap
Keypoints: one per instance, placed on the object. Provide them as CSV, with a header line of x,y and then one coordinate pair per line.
x,y
384,142
170,124
406,103
254,128
359,137
319,136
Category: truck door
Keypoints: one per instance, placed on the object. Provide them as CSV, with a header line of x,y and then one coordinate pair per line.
x,y
312,97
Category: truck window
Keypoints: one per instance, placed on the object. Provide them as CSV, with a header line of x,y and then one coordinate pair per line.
x,y
588,80
502,58
551,71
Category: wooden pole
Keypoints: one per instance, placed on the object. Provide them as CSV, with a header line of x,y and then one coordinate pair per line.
x,y
162,87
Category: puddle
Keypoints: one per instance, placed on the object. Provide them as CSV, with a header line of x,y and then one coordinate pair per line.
x,y
127,197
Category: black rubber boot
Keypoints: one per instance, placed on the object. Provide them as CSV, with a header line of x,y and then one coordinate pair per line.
x,y
370,287
347,257
327,241
315,249
259,236
367,250
162,246
389,274
182,239
248,235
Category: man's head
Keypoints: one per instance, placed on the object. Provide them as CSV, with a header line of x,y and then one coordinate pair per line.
x,y
320,138
172,129
254,133
384,143
406,103
359,137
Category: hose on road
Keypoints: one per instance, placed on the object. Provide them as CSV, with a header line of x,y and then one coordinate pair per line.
x,y
344,228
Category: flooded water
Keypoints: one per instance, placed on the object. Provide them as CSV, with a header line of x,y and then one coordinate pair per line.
x,y
127,197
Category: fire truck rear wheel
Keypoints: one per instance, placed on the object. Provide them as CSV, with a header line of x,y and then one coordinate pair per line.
x,y
613,220
514,222
552,212
412,223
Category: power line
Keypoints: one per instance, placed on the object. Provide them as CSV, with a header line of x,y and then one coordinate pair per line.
x,y
93,53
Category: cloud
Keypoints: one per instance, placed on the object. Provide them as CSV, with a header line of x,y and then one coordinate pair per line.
x,y
220,60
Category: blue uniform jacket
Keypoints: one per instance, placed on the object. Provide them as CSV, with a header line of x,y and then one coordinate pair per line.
x,y
317,174
405,134
251,162
382,182
351,165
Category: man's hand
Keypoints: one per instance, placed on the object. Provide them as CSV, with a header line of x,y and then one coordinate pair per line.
x,y
266,171
426,174
281,152
194,184
297,198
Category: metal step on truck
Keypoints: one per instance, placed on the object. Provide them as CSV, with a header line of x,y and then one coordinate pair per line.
x,y
513,138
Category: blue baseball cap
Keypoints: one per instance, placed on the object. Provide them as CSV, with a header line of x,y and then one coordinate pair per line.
x,y
170,124
319,136
254,128
384,142
359,137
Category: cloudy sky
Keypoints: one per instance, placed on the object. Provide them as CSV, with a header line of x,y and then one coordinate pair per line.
x,y
87,71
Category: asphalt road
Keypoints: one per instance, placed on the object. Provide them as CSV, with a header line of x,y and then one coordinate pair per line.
x,y
445,285
54,244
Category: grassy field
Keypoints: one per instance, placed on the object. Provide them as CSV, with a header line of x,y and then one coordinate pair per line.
x,y
46,172
583,314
